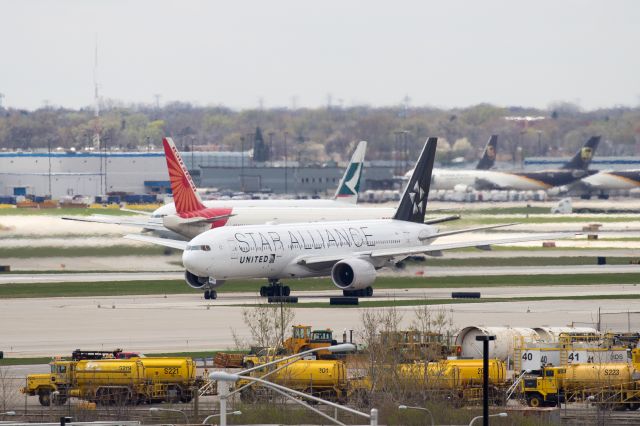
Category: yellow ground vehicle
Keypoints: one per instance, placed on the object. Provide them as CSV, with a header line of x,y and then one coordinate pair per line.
x,y
457,373
611,385
324,378
116,381
303,338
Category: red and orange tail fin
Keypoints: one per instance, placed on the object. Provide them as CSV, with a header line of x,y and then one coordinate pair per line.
x,y
185,195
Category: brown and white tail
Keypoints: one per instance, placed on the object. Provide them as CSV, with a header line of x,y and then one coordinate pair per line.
x,y
185,195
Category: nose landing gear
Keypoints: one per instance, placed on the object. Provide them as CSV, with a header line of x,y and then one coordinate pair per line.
x,y
275,288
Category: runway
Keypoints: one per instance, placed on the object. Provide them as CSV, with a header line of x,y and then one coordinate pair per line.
x,y
175,323
427,271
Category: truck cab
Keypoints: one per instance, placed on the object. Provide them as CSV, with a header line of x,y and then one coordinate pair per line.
x,y
544,387
51,387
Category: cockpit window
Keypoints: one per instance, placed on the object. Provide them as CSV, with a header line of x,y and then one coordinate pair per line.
x,y
203,247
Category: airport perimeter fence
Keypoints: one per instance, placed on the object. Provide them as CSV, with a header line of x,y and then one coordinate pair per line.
x,y
623,322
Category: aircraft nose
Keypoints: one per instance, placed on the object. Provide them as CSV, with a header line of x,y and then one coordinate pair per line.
x,y
195,260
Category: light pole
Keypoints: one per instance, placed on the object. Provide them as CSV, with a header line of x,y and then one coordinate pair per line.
x,y
233,413
485,376
171,410
491,415
407,407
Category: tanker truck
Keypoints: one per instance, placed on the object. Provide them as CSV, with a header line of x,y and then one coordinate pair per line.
x,y
116,381
608,385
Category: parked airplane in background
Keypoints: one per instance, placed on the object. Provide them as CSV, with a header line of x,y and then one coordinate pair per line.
x,y
194,215
574,170
460,179
610,180
348,251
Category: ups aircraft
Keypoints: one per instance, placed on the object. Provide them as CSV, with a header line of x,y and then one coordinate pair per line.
x,y
350,252
575,169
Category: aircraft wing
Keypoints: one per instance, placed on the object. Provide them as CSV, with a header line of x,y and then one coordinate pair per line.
x,y
146,213
465,230
118,220
166,242
409,251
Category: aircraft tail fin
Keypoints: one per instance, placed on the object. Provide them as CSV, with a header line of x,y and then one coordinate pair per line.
x,y
488,159
185,195
582,158
413,203
350,183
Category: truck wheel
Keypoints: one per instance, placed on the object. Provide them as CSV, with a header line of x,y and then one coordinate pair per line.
x,y
59,399
187,396
174,394
249,364
634,406
535,401
44,397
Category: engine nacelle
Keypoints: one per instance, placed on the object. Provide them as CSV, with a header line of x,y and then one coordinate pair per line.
x,y
462,188
195,281
353,274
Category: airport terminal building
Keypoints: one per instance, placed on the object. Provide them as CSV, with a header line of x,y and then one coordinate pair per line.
x,y
61,174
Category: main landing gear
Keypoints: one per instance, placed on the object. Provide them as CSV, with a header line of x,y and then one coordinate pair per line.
x,y
363,292
210,294
275,288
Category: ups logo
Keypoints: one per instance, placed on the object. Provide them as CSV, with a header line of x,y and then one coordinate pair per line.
x,y
586,153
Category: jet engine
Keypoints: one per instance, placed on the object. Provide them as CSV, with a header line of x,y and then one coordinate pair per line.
x,y
353,274
195,281
462,188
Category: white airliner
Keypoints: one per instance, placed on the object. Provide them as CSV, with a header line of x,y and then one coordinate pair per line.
x,y
461,179
348,251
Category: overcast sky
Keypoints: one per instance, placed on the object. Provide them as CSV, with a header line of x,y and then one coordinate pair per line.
x,y
234,53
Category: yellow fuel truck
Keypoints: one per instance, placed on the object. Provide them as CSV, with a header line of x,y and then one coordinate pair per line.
x,y
116,381
323,378
609,385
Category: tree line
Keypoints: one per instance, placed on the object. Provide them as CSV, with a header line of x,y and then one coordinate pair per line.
x,y
325,134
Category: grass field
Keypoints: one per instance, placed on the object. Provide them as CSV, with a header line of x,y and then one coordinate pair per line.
x,y
130,288
46,360
524,261
423,302
104,251
63,212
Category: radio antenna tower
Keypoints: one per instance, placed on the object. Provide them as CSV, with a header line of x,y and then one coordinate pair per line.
x,y
96,119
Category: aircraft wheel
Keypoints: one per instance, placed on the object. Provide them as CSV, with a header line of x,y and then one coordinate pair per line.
x,y
263,291
286,291
369,291
207,295
213,294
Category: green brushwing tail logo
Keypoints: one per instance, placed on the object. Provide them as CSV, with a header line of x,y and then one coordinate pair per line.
x,y
351,184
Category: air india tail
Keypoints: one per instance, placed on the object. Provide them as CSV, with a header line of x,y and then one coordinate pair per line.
x,y
185,195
